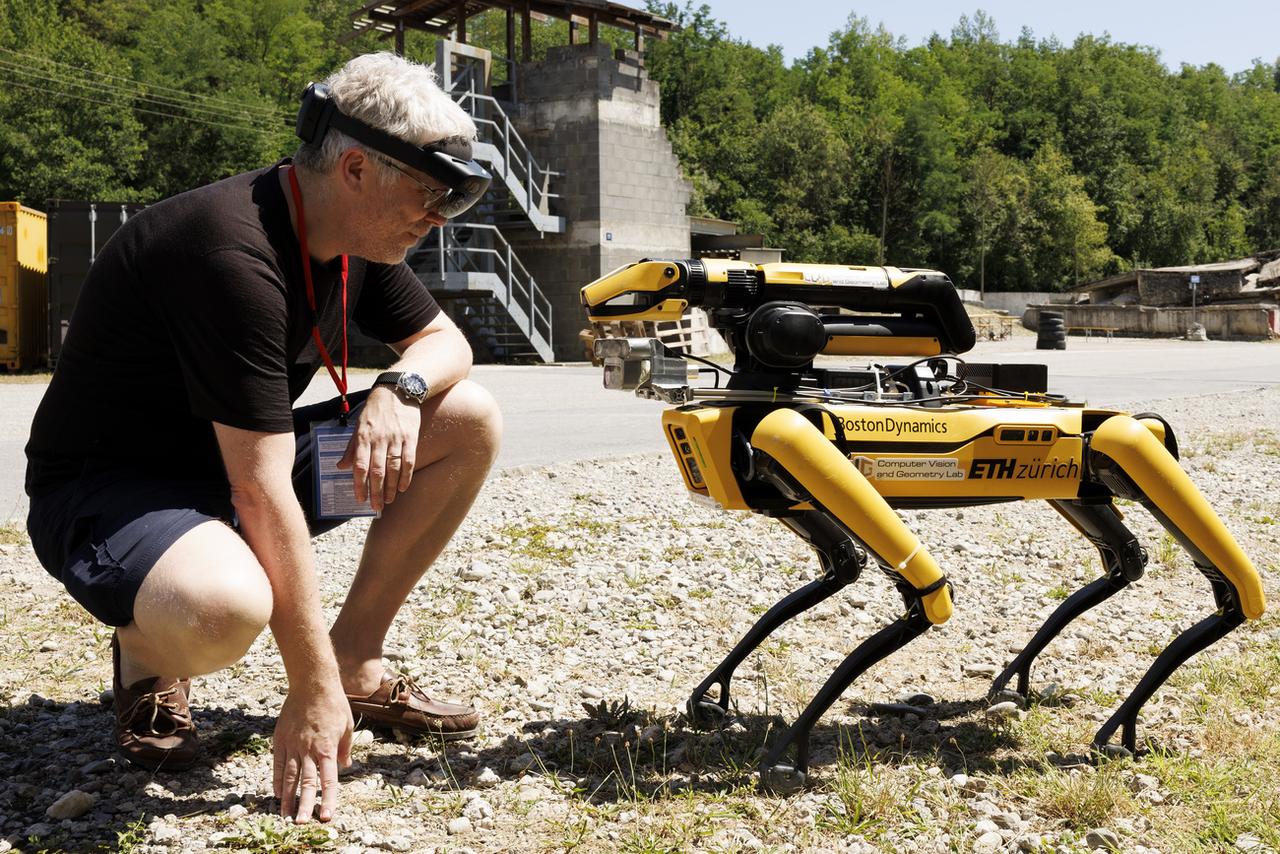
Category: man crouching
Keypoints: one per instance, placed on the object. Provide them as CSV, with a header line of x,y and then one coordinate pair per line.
x,y
174,489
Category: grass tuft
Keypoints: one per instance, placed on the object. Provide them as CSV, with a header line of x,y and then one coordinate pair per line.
x,y
273,836
1082,798
13,535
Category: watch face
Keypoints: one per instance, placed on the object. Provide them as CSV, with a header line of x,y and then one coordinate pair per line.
x,y
414,385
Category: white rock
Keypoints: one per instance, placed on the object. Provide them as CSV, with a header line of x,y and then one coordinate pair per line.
x,y
460,825
477,570
1143,782
1101,837
73,804
487,778
362,737
1003,711
477,809
166,833
988,843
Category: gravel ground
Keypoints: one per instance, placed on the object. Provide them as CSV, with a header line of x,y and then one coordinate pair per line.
x,y
580,604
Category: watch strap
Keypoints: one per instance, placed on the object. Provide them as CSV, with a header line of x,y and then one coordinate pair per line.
x,y
391,378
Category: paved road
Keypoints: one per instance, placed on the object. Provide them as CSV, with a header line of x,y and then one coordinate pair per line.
x,y
560,413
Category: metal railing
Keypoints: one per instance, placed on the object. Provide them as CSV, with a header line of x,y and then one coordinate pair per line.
x,y
494,127
519,289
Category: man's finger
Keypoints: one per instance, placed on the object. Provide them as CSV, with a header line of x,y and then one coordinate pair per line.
x,y
329,790
289,794
277,770
344,745
349,455
407,462
307,796
360,469
377,474
395,473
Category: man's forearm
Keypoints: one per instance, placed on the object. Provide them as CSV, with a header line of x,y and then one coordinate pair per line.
x,y
441,356
276,531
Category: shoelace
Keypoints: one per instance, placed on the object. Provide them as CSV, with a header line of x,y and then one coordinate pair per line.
x,y
403,684
156,706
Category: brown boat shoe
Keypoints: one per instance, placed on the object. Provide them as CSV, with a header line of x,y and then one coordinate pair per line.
x,y
153,725
400,704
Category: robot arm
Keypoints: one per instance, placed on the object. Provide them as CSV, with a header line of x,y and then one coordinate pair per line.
x,y
902,312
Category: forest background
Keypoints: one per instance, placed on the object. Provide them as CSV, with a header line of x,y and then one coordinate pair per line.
x,y
1013,165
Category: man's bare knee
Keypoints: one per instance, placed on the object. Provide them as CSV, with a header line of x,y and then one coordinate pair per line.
x,y
469,417
204,602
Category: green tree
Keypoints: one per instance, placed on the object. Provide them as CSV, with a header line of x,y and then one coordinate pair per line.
x,y
1067,241
995,186
66,128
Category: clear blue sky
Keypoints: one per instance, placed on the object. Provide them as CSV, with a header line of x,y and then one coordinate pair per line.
x,y
1231,33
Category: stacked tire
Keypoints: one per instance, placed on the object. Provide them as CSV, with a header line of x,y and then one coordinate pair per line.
x,y
1053,331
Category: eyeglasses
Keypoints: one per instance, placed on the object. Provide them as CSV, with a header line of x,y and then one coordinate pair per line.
x,y
433,196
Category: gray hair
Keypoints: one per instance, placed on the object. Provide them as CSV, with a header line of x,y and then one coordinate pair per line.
x,y
393,95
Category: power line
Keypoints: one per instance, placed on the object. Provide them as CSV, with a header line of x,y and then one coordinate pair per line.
x,y
182,92
111,90
98,101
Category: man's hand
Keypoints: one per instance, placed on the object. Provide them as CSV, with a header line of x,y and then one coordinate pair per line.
x,y
382,450
312,741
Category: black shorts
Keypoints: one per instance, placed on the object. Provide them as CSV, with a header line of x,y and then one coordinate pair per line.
x,y
101,533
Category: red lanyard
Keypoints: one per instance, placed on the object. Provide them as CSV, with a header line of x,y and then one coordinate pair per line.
x,y
340,382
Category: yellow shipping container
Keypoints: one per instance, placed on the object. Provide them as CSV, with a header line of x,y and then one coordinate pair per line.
x,y
24,289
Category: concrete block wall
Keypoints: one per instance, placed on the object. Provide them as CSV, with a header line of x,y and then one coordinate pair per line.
x,y
1016,302
1163,288
594,117
1221,322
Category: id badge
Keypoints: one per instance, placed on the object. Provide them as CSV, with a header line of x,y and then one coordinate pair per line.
x,y
335,491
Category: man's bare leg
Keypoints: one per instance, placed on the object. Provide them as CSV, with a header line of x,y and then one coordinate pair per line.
x,y
460,435
199,608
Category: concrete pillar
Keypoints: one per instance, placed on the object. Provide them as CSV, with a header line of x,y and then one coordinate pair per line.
x,y
593,116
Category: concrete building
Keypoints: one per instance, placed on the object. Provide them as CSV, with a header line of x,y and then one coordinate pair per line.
x,y
622,194
585,179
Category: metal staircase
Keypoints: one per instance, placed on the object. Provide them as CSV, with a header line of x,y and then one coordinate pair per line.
x,y
471,267
468,264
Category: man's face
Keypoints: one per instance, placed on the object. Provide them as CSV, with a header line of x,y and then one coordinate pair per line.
x,y
395,217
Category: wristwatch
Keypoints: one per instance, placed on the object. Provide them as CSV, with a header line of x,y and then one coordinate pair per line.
x,y
410,386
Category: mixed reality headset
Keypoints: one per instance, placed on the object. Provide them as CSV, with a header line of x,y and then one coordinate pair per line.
x,y
448,161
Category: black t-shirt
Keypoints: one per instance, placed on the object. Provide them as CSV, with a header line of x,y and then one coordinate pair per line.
x,y
196,311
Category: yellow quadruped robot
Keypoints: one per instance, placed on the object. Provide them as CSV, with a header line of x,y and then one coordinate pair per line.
x,y
832,451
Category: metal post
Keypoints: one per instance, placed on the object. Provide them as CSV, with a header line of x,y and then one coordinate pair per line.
x,y
440,241
526,37
510,276
1195,280
511,54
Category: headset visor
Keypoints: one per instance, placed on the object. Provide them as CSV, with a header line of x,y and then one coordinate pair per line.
x,y
448,161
